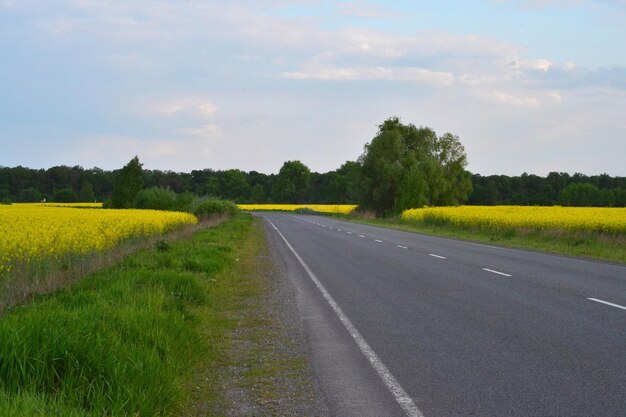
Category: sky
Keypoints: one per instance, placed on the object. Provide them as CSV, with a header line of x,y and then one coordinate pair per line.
x,y
528,85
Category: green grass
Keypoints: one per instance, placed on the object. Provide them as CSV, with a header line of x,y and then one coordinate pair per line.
x,y
580,244
125,341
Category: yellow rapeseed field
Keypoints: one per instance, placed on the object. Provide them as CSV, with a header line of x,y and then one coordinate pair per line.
x,y
322,208
31,232
594,219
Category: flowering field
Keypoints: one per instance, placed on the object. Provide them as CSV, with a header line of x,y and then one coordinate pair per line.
x,y
322,208
593,219
32,232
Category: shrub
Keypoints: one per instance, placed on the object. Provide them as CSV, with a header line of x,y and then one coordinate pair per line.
x,y
156,198
6,201
207,207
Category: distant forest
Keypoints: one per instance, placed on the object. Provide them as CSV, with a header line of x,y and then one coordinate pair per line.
x,y
341,186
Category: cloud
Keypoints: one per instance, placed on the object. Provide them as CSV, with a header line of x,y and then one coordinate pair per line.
x,y
411,74
500,97
204,131
362,9
179,107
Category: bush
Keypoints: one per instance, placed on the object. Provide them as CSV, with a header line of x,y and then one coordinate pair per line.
x,y
6,201
207,207
65,195
185,201
156,198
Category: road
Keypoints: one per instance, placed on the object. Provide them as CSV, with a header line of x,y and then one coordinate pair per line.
x,y
407,324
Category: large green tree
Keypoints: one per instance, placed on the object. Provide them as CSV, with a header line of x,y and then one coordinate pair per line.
x,y
292,183
127,185
405,166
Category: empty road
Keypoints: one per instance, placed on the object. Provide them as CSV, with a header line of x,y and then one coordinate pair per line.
x,y
406,324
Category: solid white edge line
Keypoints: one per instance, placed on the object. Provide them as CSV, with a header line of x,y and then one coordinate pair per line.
x,y
497,272
389,380
437,256
607,303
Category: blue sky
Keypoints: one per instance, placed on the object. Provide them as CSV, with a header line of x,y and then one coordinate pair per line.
x,y
528,86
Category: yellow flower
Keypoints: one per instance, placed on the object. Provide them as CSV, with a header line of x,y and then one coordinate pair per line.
x,y
30,232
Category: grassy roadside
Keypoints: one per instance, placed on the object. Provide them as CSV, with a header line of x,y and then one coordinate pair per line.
x,y
587,245
126,341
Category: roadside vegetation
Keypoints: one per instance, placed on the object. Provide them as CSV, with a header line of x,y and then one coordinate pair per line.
x,y
597,233
126,340
592,232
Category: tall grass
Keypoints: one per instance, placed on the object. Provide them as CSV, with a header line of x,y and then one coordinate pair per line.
x,y
121,342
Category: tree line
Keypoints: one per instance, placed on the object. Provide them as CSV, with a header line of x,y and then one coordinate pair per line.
x,y
403,166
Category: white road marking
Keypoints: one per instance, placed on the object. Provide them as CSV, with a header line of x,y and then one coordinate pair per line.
x,y
497,272
324,225
339,230
389,380
402,247
349,233
379,241
437,256
607,303
361,236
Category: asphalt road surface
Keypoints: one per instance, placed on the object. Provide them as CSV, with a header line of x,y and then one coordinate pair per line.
x,y
406,324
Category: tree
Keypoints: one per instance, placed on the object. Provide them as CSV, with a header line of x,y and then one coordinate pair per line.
x,y
127,185
30,195
405,166
86,192
65,195
258,194
580,195
234,185
292,183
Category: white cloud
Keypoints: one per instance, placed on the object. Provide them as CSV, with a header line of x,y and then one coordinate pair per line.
x,y
204,131
362,9
412,74
177,107
510,99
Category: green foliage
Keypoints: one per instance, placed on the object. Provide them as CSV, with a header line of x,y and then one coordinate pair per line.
x,y
65,195
30,195
127,185
208,207
86,193
156,198
258,194
123,341
235,186
292,184
580,195
405,166
6,201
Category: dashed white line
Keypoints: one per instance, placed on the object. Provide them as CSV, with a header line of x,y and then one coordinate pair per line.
x,y
437,256
379,241
361,236
402,247
339,230
392,384
349,233
497,272
607,303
